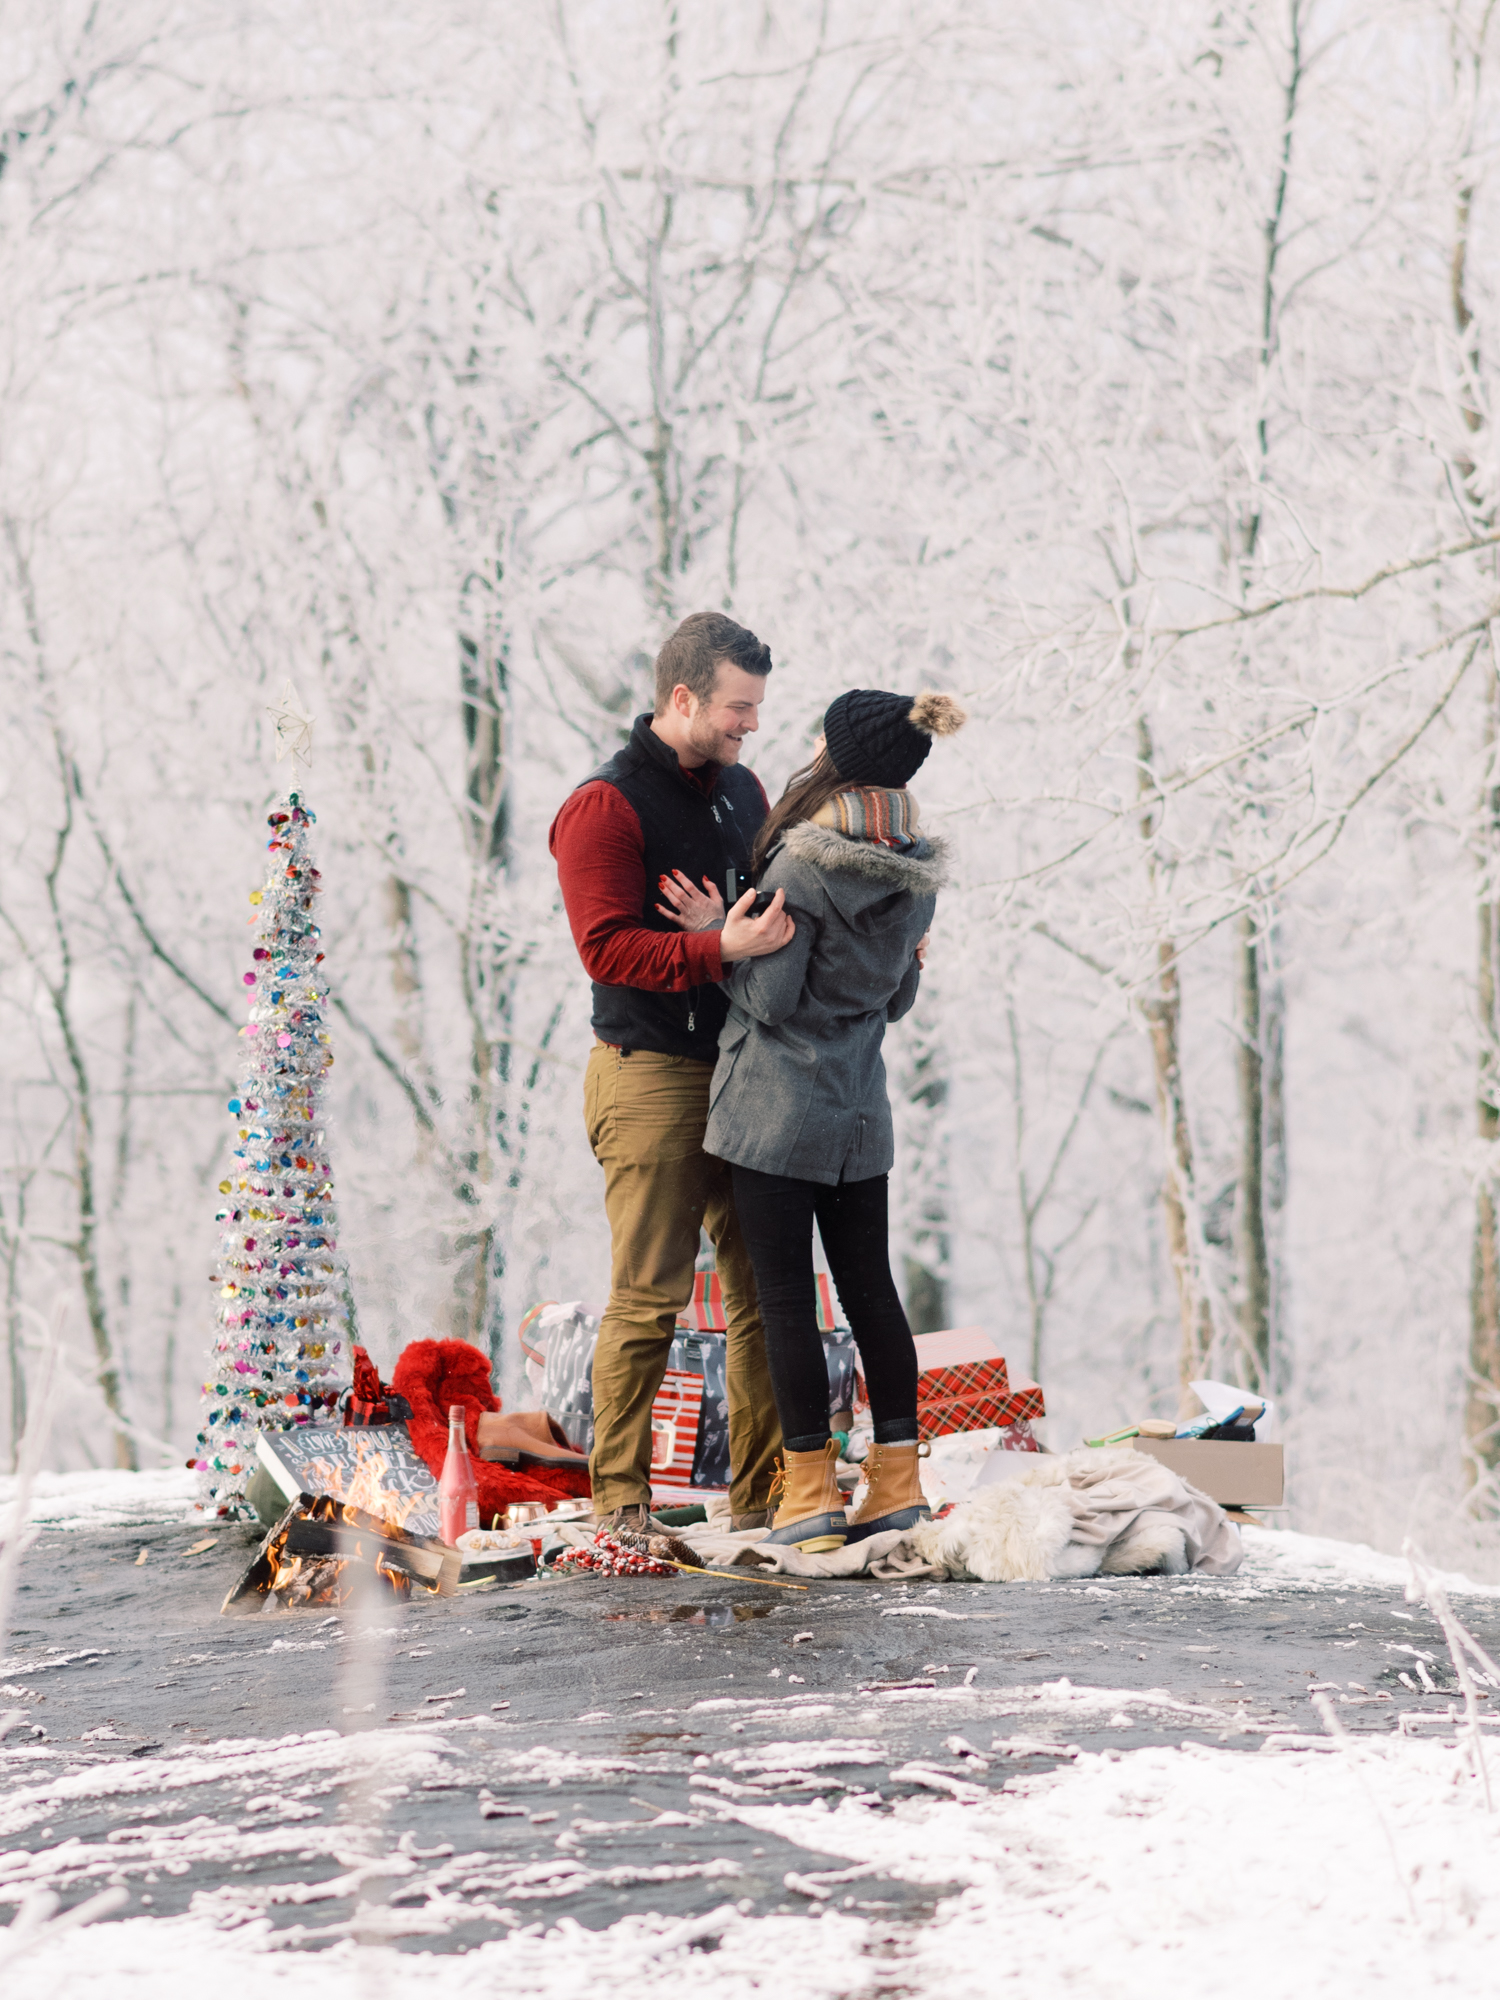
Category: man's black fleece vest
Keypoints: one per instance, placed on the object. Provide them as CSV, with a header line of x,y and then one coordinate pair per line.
x,y
702,834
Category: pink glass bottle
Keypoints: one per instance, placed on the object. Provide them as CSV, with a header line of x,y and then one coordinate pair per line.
x,y
458,1494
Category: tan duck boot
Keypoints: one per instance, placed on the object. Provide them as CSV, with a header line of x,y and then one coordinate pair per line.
x,y
893,1494
810,1507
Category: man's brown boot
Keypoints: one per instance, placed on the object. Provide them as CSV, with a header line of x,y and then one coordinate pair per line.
x,y
893,1495
810,1513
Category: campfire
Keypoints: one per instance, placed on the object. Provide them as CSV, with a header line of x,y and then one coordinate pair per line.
x,y
369,1489
323,1550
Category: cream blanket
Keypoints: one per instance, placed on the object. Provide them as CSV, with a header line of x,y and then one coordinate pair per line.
x,y
889,1557
1082,1513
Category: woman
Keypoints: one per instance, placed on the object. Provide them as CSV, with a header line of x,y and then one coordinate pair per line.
x,y
798,1102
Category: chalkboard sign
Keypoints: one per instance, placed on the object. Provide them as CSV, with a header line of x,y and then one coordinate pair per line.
x,y
374,1467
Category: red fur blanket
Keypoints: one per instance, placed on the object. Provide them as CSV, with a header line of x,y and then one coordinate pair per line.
x,y
432,1374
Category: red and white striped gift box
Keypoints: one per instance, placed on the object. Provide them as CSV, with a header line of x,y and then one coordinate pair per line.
x,y
704,1312
674,1428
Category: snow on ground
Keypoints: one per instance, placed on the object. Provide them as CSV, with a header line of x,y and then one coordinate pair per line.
x,y
1344,1869
104,1499
394,1755
1278,1557
1341,1871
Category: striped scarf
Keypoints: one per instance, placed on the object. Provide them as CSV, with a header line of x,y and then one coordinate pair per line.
x,y
871,812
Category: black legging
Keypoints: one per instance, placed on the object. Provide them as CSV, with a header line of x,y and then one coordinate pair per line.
x,y
776,1214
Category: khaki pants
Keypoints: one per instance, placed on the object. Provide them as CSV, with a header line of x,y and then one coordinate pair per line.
x,y
646,1114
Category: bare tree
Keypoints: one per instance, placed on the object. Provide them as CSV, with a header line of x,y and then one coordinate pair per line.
x,y
53,968
1469,32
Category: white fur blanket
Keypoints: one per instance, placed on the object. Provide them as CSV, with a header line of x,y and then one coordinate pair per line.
x,y
1082,1513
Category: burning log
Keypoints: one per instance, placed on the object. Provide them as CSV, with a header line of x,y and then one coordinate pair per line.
x,y
322,1549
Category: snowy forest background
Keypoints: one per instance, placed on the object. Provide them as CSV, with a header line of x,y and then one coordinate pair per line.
x,y
1130,371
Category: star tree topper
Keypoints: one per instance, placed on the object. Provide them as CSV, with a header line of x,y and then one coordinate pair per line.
x,y
294,727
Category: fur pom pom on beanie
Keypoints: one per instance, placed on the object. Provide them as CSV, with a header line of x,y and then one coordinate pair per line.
x,y
875,738
936,714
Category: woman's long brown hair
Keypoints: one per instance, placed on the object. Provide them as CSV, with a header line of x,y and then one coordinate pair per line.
x,y
806,790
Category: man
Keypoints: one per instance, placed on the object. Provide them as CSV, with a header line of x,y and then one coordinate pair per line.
x,y
672,803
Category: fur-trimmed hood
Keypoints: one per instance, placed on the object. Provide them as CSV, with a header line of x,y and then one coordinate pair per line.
x,y
923,871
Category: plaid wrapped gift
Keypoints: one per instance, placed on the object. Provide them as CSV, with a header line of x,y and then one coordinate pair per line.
x,y
964,1384
941,1415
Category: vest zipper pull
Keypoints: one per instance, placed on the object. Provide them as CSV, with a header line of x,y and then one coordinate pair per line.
x,y
692,1019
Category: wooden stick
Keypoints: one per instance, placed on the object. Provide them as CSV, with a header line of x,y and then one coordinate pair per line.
x,y
734,1575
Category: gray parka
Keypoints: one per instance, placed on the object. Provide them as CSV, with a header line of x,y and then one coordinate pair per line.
x,y
800,1085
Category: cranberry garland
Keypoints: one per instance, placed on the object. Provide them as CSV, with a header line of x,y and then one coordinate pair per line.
x,y
608,1556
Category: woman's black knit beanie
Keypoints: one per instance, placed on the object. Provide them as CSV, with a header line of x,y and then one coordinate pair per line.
x,y
875,738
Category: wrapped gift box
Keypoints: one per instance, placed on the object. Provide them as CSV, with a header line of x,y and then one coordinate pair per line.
x,y
826,1320
676,1416
943,1415
1236,1475
704,1312
964,1384
690,1416
963,1361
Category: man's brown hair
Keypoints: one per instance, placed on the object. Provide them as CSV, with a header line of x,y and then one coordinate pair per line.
x,y
690,658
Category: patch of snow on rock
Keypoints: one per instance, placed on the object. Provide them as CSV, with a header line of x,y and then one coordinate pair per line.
x,y
1280,1559
72,1500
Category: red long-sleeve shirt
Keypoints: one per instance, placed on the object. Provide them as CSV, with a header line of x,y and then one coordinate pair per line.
x,y
599,848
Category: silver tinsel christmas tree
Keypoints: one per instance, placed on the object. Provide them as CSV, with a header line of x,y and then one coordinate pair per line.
x,y
282,1356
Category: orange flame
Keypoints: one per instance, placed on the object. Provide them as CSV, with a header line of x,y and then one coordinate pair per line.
x,y
280,1569
395,1578
367,1489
